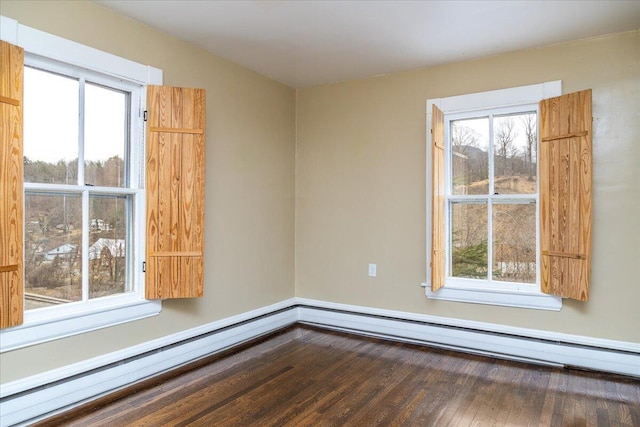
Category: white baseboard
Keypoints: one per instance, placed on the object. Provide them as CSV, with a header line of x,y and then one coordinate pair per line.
x,y
27,400
507,342
33,398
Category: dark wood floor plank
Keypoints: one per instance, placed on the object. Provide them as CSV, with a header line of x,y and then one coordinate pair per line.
x,y
320,388
305,376
223,388
381,409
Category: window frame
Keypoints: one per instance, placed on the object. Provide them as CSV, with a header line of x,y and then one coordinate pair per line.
x,y
48,324
132,189
490,198
473,290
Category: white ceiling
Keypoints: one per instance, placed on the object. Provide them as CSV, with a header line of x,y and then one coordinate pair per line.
x,y
303,43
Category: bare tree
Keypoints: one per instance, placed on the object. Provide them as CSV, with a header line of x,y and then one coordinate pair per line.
x,y
463,137
505,135
530,130
43,223
469,158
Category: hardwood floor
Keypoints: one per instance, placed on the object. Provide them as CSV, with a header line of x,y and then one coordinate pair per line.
x,y
304,376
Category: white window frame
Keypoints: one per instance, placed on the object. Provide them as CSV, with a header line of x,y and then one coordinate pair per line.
x,y
478,291
48,324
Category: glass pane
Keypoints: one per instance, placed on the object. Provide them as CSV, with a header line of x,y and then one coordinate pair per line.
x,y
109,245
514,243
105,136
469,240
515,161
50,127
53,254
469,156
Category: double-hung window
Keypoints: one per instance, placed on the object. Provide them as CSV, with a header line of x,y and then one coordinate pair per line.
x,y
82,185
491,197
486,198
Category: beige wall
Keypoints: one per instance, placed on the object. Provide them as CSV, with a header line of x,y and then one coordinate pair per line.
x,y
360,184
249,240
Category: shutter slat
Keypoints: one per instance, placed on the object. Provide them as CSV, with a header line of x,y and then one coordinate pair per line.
x,y
187,187
565,194
199,122
11,186
437,200
151,184
176,198
164,194
174,246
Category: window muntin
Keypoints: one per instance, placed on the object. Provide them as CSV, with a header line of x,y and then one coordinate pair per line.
x,y
81,185
491,197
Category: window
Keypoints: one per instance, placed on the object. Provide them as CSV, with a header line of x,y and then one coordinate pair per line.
x,y
485,180
82,185
72,241
491,197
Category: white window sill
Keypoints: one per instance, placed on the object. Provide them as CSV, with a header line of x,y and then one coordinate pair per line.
x,y
48,324
496,296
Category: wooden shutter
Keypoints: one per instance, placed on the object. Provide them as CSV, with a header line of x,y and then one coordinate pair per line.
x,y
175,192
565,194
11,188
437,199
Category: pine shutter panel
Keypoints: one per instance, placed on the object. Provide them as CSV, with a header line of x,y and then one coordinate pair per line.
x,y
11,188
437,199
565,194
175,192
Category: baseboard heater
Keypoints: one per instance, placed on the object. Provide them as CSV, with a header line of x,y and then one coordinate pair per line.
x,y
526,346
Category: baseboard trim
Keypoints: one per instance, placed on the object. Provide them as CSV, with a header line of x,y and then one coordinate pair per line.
x,y
34,398
506,342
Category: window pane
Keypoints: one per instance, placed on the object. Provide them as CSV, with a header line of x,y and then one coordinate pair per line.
x,y
109,242
105,136
469,240
53,254
470,158
514,243
514,158
50,127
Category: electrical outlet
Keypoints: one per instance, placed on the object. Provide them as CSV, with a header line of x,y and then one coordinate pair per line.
x,y
372,270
